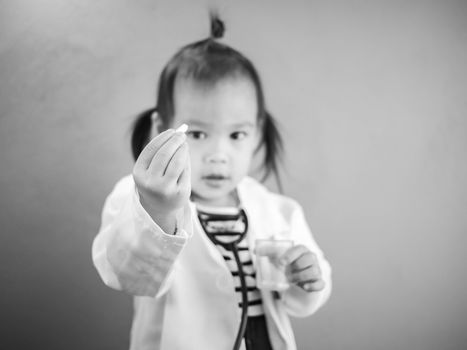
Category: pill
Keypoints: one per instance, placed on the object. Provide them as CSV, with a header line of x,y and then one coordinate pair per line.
x,y
182,128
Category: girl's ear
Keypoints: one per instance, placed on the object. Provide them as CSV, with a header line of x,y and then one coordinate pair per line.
x,y
156,125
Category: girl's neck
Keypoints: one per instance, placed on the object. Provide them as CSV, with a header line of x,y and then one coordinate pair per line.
x,y
230,201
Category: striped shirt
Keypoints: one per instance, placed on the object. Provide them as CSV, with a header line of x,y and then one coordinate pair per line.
x,y
226,227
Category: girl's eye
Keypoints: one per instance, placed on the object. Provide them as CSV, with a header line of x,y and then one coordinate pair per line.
x,y
238,135
196,135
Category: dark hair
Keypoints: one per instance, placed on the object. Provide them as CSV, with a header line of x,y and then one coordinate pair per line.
x,y
208,62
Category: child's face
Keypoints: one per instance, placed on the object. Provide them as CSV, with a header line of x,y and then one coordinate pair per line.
x,y
222,135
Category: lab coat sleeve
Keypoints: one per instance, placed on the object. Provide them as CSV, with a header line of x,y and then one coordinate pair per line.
x,y
123,219
297,302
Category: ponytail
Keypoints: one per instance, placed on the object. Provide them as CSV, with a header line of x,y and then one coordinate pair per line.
x,y
217,26
273,148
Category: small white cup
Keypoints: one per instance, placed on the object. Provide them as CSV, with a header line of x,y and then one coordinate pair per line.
x,y
270,275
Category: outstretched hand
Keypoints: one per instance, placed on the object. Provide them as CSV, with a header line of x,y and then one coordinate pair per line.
x,y
163,178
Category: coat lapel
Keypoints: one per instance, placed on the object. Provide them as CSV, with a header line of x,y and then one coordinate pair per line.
x,y
265,221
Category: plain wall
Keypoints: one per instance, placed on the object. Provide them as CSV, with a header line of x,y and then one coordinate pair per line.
x,y
371,97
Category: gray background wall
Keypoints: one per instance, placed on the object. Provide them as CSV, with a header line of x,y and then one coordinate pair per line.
x,y
371,96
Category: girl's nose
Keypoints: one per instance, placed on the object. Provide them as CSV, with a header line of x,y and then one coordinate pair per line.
x,y
217,151
216,158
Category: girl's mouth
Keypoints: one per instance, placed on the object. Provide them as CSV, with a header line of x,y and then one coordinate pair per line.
x,y
215,180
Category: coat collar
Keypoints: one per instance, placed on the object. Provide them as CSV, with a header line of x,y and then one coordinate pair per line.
x,y
262,210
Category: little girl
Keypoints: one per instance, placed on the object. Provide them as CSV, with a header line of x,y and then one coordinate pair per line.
x,y
180,232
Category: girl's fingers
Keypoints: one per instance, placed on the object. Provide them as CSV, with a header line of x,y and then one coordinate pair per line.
x,y
312,274
148,152
177,163
184,180
302,268
293,254
303,262
315,286
165,153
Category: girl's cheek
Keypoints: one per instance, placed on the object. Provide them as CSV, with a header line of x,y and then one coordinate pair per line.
x,y
194,149
195,155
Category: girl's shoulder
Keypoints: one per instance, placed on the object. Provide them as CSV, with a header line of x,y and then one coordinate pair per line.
x,y
253,191
125,186
271,212
125,183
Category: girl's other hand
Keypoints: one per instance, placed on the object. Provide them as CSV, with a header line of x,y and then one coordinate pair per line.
x,y
302,268
162,177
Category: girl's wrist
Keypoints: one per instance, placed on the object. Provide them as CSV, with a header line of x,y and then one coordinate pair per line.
x,y
167,221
